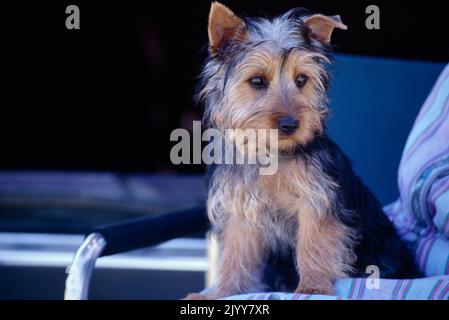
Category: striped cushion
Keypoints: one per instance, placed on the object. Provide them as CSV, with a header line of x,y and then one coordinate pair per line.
x,y
435,288
422,212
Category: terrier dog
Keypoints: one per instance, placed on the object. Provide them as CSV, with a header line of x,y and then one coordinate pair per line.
x,y
313,221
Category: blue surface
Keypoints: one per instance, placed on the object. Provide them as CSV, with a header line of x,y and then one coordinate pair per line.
x,y
374,103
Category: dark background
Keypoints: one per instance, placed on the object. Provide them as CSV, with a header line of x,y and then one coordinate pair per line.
x,y
107,96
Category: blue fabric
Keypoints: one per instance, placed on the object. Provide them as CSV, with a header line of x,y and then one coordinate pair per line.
x,y
374,102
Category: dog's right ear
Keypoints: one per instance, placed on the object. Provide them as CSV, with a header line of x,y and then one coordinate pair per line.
x,y
224,26
321,26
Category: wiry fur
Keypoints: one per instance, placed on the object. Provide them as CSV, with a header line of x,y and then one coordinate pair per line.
x,y
314,220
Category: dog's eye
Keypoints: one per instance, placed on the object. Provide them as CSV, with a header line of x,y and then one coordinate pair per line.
x,y
301,80
258,82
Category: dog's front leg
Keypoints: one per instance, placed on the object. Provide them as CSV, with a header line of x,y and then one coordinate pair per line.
x,y
323,252
241,260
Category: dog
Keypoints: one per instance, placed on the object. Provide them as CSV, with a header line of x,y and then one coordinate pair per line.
x,y
313,221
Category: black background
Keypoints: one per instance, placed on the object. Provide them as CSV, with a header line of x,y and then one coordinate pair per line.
x,y
278,309
107,96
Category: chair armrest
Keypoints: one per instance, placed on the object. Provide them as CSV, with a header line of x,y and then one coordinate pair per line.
x,y
121,237
148,231
80,271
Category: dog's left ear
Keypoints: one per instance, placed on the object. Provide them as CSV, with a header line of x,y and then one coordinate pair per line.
x,y
224,26
321,26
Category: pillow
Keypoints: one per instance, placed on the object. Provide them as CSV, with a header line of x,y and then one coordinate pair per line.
x,y
421,215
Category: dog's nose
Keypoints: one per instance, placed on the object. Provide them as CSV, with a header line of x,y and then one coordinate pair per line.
x,y
288,124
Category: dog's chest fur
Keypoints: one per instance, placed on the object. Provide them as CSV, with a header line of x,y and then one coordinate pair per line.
x,y
275,204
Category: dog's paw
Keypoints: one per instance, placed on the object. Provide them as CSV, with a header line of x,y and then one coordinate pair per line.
x,y
325,290
195,296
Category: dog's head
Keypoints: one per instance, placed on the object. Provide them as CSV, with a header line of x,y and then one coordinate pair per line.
x,y
268,73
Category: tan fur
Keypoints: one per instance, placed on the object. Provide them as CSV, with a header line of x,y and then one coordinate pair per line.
x,y
323,253
322,26
223,25
241,259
